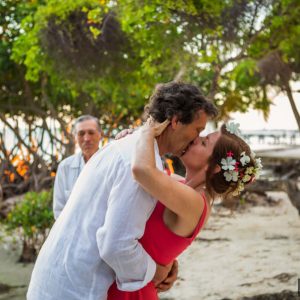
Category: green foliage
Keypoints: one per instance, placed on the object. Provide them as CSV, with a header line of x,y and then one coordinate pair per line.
x,y
30,221
106,56
104,81
60,59
27,48
245,74
34,215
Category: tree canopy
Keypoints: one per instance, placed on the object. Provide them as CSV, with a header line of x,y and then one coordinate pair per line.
x,y
60,59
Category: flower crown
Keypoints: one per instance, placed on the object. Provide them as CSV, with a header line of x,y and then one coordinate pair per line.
x,y
231,165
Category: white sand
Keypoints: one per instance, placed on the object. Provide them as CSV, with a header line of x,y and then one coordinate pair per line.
x,y
258,252
14,274
251,252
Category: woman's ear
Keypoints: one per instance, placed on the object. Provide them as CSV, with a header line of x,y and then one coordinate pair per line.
x,y
174,122
217,169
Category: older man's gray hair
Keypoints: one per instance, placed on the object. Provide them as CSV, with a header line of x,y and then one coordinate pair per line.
x,y
86,118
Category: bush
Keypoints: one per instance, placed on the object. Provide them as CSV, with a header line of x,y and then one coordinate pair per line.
x,y
31,220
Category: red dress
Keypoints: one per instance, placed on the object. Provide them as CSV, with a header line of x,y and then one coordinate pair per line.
x,y
163,246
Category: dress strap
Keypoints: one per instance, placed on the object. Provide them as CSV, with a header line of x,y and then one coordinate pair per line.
x,y
202,218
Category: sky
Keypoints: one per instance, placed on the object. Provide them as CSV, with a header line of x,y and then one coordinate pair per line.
x,y
281,115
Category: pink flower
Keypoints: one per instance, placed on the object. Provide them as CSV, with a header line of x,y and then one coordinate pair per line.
x,y
229,154
236,166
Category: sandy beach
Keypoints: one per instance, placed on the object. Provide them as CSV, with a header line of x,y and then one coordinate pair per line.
x,y
245,253
251,251
13,274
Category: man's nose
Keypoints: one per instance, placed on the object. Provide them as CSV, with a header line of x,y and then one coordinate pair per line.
x,y
86,137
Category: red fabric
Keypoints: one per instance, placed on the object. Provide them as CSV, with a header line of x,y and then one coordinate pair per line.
x,y
163,246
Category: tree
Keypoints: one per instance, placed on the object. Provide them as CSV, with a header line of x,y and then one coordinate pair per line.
x,y
27,117
232,49
277,50
65,58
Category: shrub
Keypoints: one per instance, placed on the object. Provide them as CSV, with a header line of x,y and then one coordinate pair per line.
x,y
31,220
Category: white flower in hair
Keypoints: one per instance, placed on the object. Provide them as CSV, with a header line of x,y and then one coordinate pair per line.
x,y
228,163
237,174
233,128
258,163
231,176
244,159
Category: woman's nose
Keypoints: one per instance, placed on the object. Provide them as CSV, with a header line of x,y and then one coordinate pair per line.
x,y
196,140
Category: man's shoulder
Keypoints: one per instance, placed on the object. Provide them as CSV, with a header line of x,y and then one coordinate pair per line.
x,y
115,153
70,160
126,146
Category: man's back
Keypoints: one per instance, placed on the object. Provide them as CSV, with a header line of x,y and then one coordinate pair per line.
x,y
95,230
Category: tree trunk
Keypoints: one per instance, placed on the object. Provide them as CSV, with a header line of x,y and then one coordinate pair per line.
x,y
28,254
288,90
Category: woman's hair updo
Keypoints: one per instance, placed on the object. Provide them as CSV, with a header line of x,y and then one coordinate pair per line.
x,y
228,144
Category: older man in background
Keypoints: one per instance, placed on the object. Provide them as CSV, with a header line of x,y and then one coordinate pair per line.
x,y
87,133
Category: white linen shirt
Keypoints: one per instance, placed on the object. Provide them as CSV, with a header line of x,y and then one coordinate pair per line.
x,y
67,173
95,239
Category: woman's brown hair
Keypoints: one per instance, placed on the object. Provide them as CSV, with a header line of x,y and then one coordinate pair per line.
x,y
216,183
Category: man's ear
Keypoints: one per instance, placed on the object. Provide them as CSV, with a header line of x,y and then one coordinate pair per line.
x,y
75,139
174,122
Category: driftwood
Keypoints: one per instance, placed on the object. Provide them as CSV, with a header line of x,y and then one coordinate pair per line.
x,y
284,295
1,194
290,186
294,193
285,177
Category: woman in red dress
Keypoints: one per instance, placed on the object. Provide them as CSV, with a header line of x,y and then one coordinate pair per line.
x,y
216,165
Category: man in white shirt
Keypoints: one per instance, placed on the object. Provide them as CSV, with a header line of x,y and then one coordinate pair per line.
x,y
87,133
95,240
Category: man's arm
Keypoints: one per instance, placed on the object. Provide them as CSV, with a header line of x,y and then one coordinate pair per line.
x,y
128,209
59,199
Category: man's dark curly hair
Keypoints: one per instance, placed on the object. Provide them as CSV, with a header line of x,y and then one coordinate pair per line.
x,y
178,99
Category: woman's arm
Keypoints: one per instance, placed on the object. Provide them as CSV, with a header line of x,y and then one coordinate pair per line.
x,y
179,198
177,177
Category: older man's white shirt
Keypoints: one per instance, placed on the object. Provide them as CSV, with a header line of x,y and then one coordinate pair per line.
x,y
95,239
67,173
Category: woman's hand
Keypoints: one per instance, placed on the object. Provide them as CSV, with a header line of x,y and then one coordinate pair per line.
x,y
123,133
155,127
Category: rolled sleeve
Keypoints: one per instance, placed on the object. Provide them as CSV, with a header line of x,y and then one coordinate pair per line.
x,y
133,286
128,210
